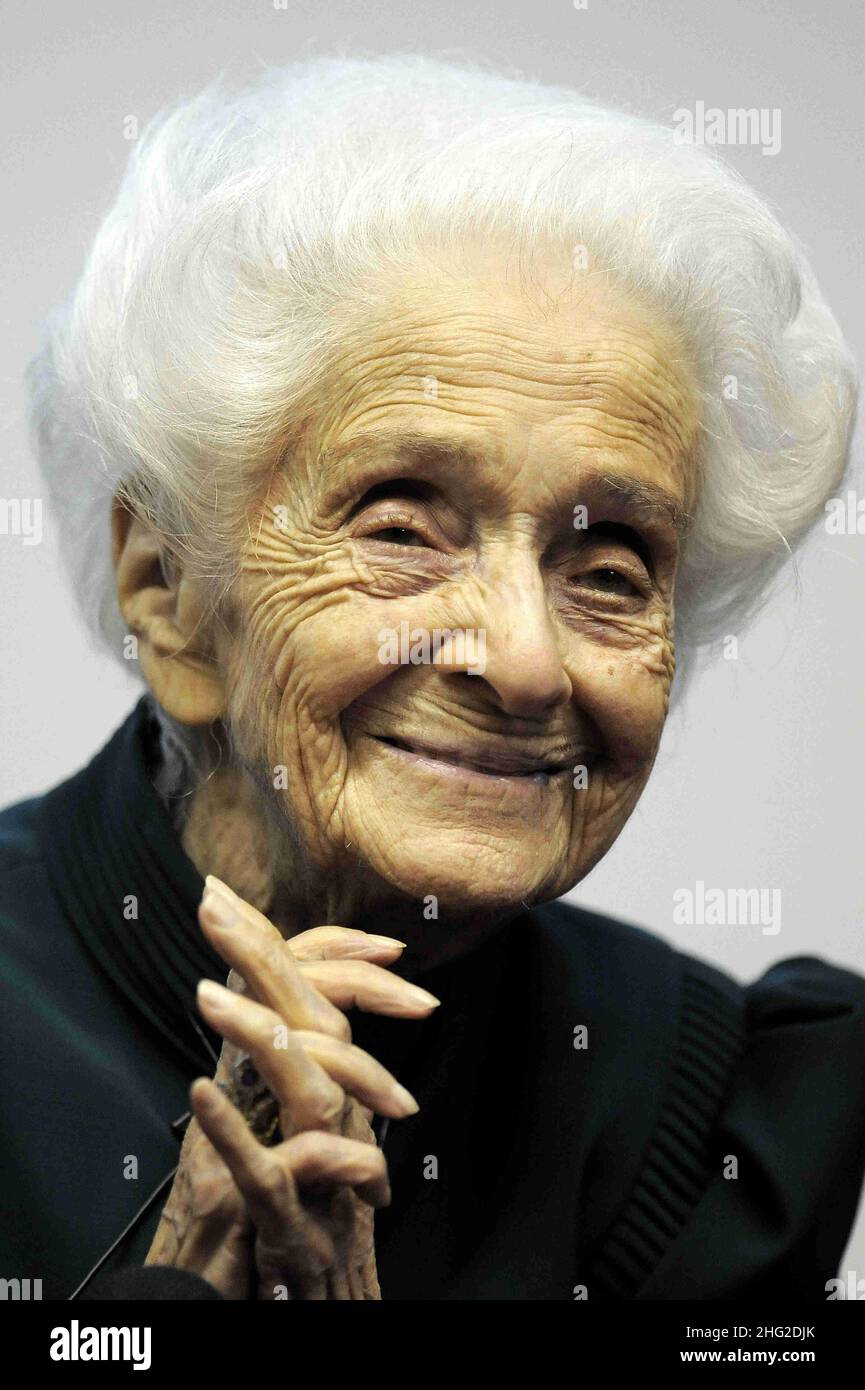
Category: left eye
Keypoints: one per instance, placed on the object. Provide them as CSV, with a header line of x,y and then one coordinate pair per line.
x,y
399,535
608,581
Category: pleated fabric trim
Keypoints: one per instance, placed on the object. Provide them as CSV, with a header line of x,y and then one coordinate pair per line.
x,y
680,1158
108,840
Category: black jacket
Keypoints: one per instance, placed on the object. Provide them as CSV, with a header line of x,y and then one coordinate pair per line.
x,y
708,1142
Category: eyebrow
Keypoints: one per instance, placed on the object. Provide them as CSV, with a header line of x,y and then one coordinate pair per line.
x,y
406,445
643,497
415,448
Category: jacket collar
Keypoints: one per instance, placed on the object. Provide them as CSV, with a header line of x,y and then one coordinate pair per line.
x,y
129,890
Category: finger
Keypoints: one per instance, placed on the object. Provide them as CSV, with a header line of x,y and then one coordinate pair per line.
x,y
267,1185
361,984
254,948
254,1028
369,1280
340,943
339,1286
321,1162
270,1180
317,942
308,1097
360,1074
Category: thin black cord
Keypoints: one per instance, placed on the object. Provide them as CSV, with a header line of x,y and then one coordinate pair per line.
x,y
380,1125
169,1177
148,1203
194,1021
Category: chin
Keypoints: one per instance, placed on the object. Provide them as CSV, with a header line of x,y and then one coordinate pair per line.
x,y
465,876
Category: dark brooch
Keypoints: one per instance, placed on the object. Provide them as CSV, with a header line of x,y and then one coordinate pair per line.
x,y
254,1099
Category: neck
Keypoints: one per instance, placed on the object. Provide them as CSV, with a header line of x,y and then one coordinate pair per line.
x,y
223,835
229,833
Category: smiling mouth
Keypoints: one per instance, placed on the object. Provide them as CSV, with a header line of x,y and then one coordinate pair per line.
x,y
486,763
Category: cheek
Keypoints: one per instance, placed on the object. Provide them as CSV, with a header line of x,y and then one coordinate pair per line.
x,y
322,646
310,641
304,639
625,693
625,690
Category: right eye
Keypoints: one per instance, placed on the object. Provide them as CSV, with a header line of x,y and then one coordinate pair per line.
x,y
607,580
398,526
398,535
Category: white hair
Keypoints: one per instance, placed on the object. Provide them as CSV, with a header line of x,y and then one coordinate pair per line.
x,y
250,227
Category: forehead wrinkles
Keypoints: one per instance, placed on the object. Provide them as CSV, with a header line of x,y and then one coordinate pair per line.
x,y
621,378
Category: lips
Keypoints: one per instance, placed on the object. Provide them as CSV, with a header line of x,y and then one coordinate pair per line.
x,y
488,761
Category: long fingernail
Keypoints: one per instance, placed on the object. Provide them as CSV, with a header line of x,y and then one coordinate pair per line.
x,y
217,885
209,992
422,996
209,1098
385,940
405,1099
218,909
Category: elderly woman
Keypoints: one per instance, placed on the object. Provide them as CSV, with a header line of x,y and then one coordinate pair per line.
x,y
404,418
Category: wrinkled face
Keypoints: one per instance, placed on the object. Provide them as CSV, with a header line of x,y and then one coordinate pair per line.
x,y
514,475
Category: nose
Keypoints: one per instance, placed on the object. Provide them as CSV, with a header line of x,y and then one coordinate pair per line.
x,y
523,664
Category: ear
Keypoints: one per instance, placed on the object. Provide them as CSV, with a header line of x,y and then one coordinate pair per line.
x,y
167,616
